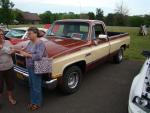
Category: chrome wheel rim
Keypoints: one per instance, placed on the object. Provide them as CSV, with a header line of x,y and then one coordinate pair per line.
x,y
73,80
120,55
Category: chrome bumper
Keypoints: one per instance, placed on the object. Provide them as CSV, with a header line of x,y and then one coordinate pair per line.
x,y
48,84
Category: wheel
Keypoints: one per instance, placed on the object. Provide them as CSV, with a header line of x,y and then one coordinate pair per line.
x,y
71,80
119,56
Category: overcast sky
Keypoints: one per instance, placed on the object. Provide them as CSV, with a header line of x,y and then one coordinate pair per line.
x,y
136,7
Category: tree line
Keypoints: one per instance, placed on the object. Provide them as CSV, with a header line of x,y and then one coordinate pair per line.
x,y
119,18
112,19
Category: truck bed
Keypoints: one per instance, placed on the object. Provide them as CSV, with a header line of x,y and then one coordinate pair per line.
x,y
116,34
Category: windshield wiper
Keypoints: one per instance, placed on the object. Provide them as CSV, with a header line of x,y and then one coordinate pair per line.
x,y
66,36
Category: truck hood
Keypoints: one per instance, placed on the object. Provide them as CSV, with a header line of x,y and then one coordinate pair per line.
x,y
58,46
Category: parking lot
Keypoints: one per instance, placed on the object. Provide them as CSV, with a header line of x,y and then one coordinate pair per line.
x,y
104,89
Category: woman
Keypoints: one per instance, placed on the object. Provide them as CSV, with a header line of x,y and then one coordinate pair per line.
x,y
6,68
34,51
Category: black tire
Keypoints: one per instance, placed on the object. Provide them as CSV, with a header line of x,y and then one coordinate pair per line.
x,y
118,58
71,80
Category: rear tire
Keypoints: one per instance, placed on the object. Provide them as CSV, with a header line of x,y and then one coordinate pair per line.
x,y
118,58
71,80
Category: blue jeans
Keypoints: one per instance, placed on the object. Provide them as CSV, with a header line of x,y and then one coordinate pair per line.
x,y
35,84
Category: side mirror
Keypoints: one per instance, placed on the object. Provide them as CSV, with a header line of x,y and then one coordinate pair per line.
x,y
103,37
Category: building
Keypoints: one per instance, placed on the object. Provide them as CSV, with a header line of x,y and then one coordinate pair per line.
x,y
30,18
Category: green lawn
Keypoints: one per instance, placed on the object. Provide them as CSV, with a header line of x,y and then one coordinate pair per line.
x,y
24,25
137,45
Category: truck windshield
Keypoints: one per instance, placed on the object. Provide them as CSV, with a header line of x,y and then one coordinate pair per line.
x,y
74,30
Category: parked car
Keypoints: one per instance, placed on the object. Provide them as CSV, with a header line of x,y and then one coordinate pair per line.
x,y
47,26
139,98
4,28
76,46
16,35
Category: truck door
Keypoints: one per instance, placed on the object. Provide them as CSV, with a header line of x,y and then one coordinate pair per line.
x,y
100,46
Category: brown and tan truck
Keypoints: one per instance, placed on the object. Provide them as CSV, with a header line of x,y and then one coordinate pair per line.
x,y
76,46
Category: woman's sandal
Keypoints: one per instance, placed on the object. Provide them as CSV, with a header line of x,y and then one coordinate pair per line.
x,y
33,107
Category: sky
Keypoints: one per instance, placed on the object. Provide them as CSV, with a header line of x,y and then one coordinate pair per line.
x,y
135,7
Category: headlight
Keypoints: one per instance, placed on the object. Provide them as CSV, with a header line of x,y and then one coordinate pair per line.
x,y
143,103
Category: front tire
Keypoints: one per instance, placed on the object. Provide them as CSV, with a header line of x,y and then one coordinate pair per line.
x,y
118,58
71,80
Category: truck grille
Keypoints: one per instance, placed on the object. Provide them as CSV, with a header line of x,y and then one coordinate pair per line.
x,y
20,61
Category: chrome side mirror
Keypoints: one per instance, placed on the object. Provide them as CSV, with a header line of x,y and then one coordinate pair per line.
x,y
101,36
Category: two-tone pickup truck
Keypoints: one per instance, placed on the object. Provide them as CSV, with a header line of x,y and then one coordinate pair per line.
x,y
76,46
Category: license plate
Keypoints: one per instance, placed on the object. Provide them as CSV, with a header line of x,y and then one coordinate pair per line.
x,y
20,76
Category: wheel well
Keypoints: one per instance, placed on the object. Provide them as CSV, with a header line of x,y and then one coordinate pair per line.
x,y
124,46
80,64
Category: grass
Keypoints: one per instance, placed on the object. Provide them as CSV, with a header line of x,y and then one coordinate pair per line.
x,y
24,25
137,44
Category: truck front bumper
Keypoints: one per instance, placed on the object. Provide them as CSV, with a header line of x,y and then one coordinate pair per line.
x,y
23,75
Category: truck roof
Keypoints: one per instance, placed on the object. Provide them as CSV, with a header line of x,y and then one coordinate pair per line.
x,y
79,20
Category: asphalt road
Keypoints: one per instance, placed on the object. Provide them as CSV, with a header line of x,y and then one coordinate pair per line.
x,y
104,89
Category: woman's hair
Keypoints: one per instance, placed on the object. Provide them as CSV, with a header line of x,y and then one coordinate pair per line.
x,y
1,30
35,30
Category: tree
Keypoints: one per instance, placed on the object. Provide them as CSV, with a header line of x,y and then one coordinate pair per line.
x,y
122,9
70,15
6,7
136,21
99,14
84,16
110,19
17,16
120,20
91,15
46,17
147,20
121,12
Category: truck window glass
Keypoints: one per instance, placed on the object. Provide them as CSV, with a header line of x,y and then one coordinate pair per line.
x,y
98,30
71,30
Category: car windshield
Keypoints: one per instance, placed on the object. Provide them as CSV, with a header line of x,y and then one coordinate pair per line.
x,y
15,33
73,30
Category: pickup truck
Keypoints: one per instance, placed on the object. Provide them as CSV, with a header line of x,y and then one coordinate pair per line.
x,y
76,46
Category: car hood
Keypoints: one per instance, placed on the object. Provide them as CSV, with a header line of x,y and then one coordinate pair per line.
x,y
139,82
58,46
15,41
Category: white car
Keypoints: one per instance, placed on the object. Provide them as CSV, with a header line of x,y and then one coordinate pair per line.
x,y
139,98
17,35
6,30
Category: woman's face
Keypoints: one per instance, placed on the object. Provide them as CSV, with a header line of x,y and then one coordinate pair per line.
x,y
1,36
31,35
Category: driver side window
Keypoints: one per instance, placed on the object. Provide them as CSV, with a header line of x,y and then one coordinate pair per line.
x,y
97,30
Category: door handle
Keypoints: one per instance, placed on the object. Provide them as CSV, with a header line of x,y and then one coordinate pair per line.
x,y
88,54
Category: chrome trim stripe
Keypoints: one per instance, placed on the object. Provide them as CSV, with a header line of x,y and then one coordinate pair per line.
x,y
51,81
26,74
21,71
